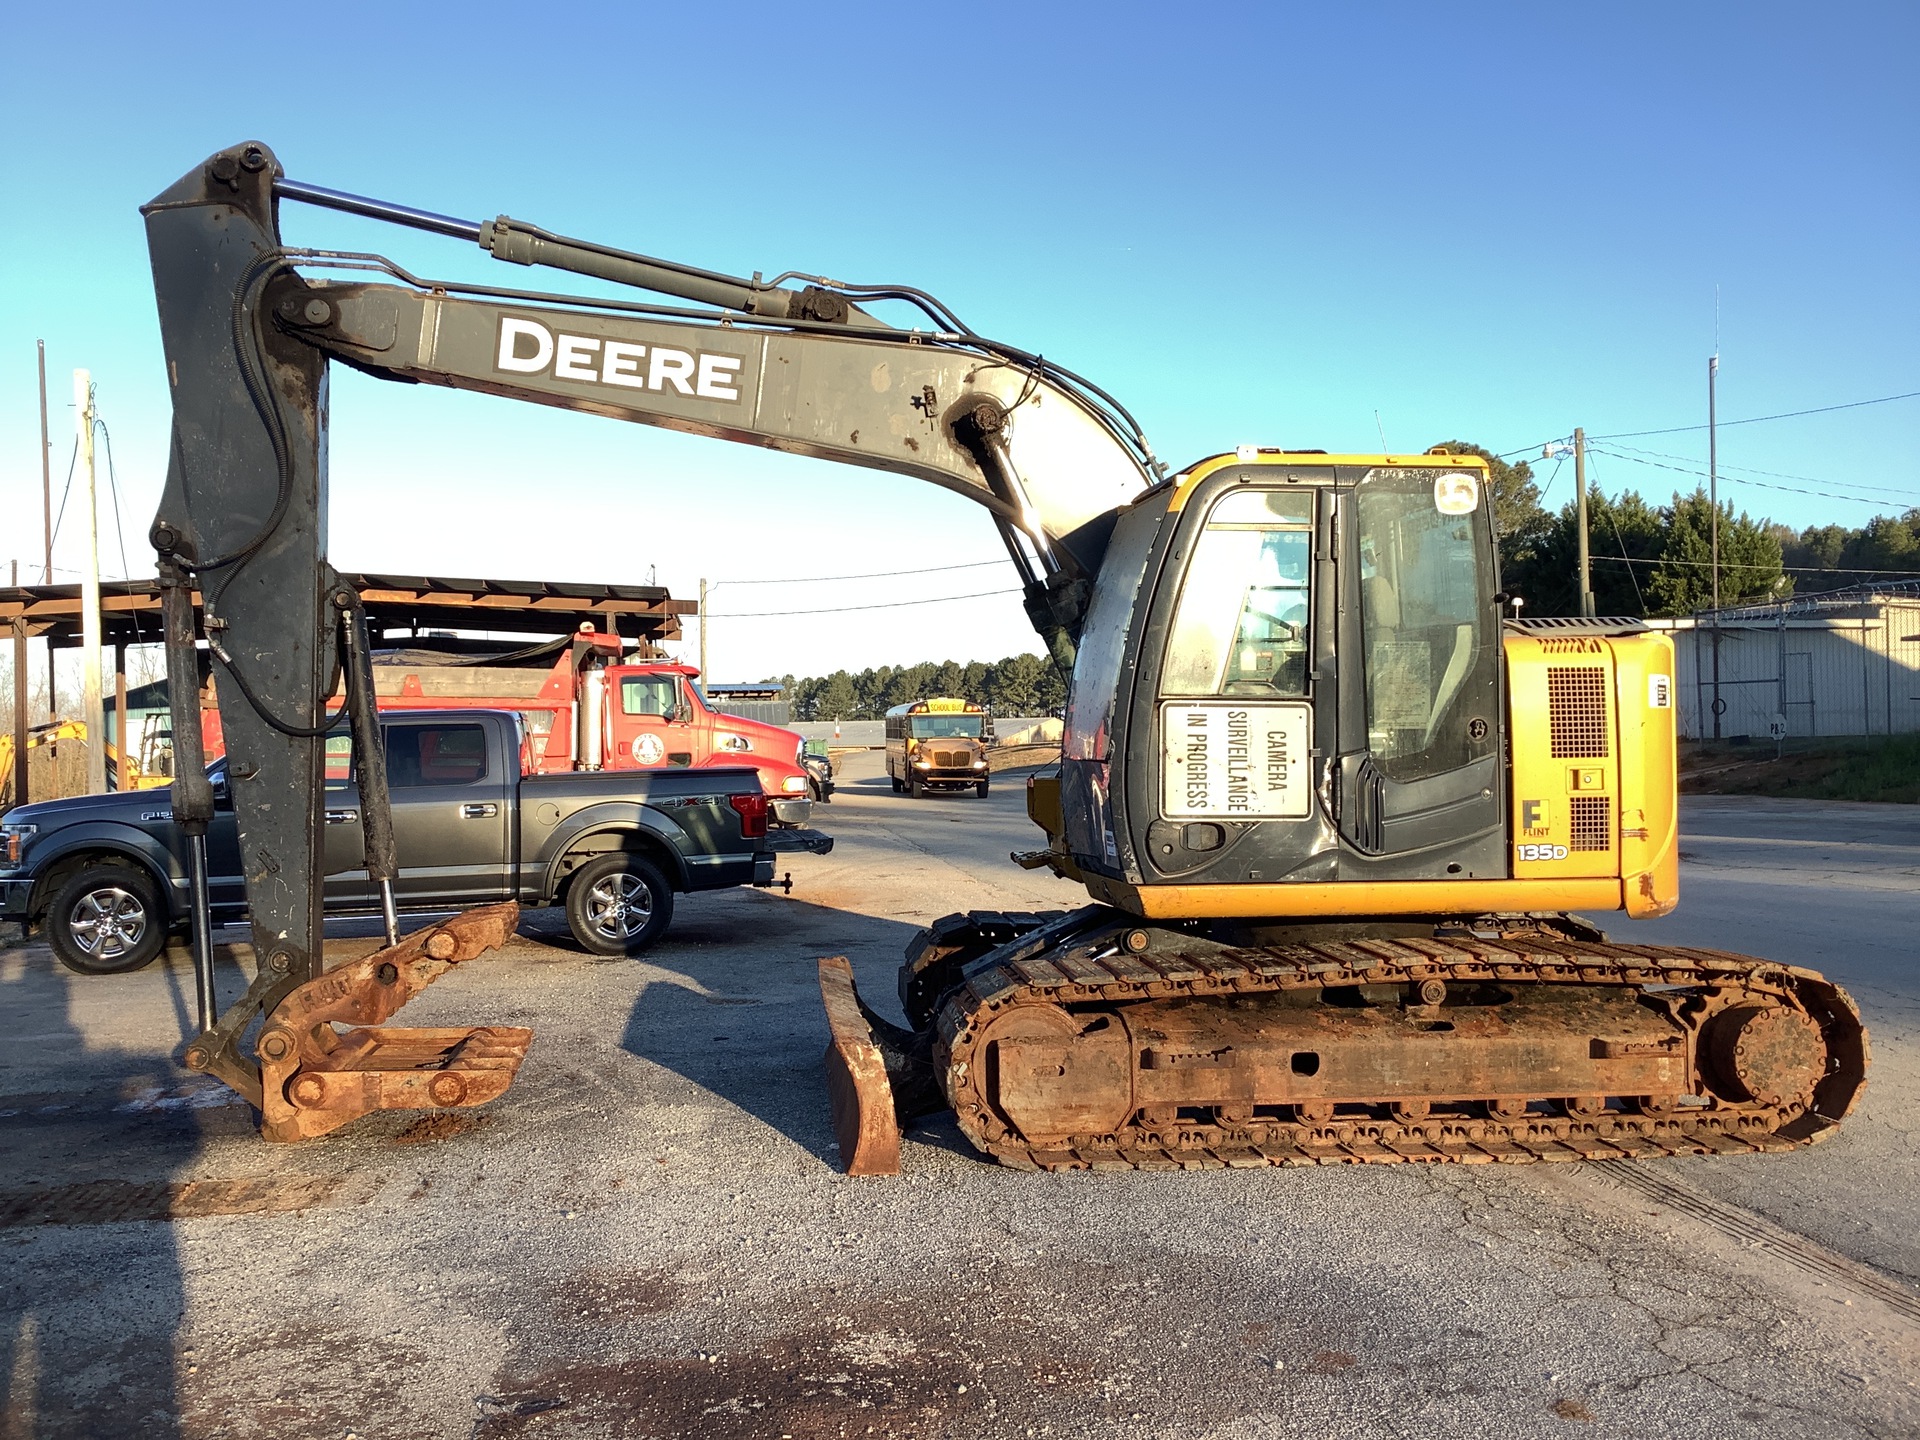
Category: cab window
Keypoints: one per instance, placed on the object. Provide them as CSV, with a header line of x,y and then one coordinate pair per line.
x,y
339,761
436,755
1432,649
649,695
1242,625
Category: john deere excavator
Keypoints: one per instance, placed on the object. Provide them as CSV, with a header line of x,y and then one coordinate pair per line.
x,y
1332,809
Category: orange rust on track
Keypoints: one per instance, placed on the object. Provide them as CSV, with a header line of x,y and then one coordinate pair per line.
x,y
861,1094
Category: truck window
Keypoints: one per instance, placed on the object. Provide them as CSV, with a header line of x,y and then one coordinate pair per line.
x,y
436,755
339,759
648,695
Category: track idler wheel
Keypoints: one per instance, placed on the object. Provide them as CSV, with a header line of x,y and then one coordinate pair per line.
x,y
1768,1054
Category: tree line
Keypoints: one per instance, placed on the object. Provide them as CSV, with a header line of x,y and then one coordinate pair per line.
x,y
1645,559
1653,559
1020,685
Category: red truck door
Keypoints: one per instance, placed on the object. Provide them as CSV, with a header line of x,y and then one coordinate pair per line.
x,y
645,733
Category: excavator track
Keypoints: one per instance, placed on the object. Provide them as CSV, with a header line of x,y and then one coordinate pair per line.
x,y
1089,1041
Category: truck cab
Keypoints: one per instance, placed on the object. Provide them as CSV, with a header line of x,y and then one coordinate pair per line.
x,y
657,715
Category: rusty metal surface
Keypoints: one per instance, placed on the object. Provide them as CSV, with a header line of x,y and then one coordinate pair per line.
x,y
314,1078
1081,1052
857,1084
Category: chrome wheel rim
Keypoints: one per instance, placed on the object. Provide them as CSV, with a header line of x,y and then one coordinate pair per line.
x,y
619,906
107,923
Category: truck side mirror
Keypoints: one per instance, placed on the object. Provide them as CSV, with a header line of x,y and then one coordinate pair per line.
x,y
682,713
222,792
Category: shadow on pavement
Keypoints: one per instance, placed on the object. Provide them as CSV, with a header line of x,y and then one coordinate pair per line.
x,y
89,1308
739,1014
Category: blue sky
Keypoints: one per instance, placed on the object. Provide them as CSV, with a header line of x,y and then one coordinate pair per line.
x,y
1260,224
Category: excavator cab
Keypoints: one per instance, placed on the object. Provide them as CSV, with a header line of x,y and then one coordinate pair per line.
x,y
1209,681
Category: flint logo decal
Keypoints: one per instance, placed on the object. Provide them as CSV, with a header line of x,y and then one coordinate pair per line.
x,y
649,750
529,348
1534,817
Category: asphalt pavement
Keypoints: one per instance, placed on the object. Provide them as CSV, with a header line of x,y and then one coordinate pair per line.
x,y
648,1235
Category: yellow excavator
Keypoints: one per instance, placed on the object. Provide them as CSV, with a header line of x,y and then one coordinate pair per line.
x,y
1334,810
52,732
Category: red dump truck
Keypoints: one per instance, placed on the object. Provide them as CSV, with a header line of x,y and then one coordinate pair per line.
x,y
593,709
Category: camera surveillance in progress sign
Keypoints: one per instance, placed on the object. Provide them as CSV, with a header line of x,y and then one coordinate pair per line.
x,y
1236,762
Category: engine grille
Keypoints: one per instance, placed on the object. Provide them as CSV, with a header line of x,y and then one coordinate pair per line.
x,y
950,759
1592,819
1577,711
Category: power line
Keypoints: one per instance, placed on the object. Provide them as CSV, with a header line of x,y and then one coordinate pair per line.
x,y
1723,424
60,518
1620,540
1547,489
119,530
1777,474
1726,565
1742,480
843,609
875,575
1757,419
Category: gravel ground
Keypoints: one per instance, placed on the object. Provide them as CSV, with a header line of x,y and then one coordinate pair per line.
x,y
648,1235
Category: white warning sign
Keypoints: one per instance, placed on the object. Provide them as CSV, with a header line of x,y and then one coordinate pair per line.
x,y
1226,761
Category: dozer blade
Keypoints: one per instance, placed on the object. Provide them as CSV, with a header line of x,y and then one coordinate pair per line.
x,y
314,1078
857,1083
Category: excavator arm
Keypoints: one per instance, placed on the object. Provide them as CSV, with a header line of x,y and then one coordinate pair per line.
x,y
248,327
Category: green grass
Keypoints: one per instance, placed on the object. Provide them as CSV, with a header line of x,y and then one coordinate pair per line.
x,y
1882,768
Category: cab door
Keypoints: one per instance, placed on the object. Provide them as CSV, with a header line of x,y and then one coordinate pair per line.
x,y
343,834
1421,785
647,734
452,806
1236,697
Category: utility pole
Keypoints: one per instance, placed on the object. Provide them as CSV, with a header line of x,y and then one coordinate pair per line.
x,y
46,512
704,677
1580,506
1713,500
20,796
46,475
91,702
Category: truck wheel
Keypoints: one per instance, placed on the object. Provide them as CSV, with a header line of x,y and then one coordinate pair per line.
x,y
914,787
618,905
897,786
981,789
107,920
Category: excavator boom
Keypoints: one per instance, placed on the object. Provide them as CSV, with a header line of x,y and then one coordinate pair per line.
x,y
248,337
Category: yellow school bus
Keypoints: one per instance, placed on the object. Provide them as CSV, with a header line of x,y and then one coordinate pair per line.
x,y
938,744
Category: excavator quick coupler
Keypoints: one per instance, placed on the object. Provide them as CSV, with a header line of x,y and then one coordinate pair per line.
x,y
316,1077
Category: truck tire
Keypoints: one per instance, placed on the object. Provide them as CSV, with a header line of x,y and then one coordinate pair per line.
x,y
981,789
107,919
914,787
619,904
897,786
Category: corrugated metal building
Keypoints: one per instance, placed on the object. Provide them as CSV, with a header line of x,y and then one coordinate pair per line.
x,y
1843,663
765,703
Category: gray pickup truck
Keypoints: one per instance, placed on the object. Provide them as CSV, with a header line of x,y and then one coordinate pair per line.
x,y
104,876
